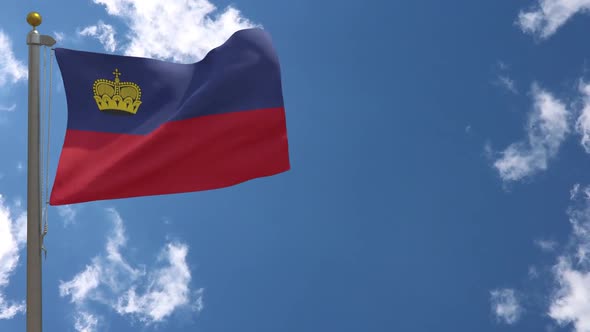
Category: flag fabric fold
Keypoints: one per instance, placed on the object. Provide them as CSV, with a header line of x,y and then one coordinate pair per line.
x,y
141,127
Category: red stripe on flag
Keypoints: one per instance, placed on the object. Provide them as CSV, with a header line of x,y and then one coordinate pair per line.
x,y
201,153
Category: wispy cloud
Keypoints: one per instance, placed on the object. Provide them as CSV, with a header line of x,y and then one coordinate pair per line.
x,y
546,245
86,322
82,284
11,69
182,31
569,296
503,78
574,191
503,65
167,289
12,239
505,305
10,108
583,121
546,130
148,295
67,213
105,33
59,36
570,303
547,16
507,83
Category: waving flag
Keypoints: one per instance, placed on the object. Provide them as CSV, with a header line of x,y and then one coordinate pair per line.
x,y
139,127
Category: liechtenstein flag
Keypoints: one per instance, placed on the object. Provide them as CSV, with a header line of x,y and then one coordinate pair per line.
x,y
139,127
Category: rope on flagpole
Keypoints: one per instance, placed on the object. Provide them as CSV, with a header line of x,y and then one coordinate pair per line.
x,y
42,111
46,130
43,77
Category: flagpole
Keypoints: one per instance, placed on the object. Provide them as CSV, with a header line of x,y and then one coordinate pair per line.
x,y
34,301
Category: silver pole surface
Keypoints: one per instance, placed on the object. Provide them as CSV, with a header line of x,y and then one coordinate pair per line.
x,y
34,299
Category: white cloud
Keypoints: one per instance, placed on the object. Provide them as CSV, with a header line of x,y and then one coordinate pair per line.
x,y
569,298
547,129
9,310
59,36
11,69
19,166
505,305
167,289
547,16
67,213
10,108
503,65
115,242
574,191
13,237
85,322
583,122
546,245
570,303
580,221
105,34
149,295
503,79
198,304
507,83
82,284
183,31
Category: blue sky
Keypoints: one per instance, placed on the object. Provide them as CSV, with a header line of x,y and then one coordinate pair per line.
x,y
439,175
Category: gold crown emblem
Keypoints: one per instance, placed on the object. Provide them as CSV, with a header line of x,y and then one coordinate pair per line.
x,y
117,95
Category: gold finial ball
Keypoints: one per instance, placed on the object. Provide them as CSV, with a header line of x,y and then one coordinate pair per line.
x,y
34,19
